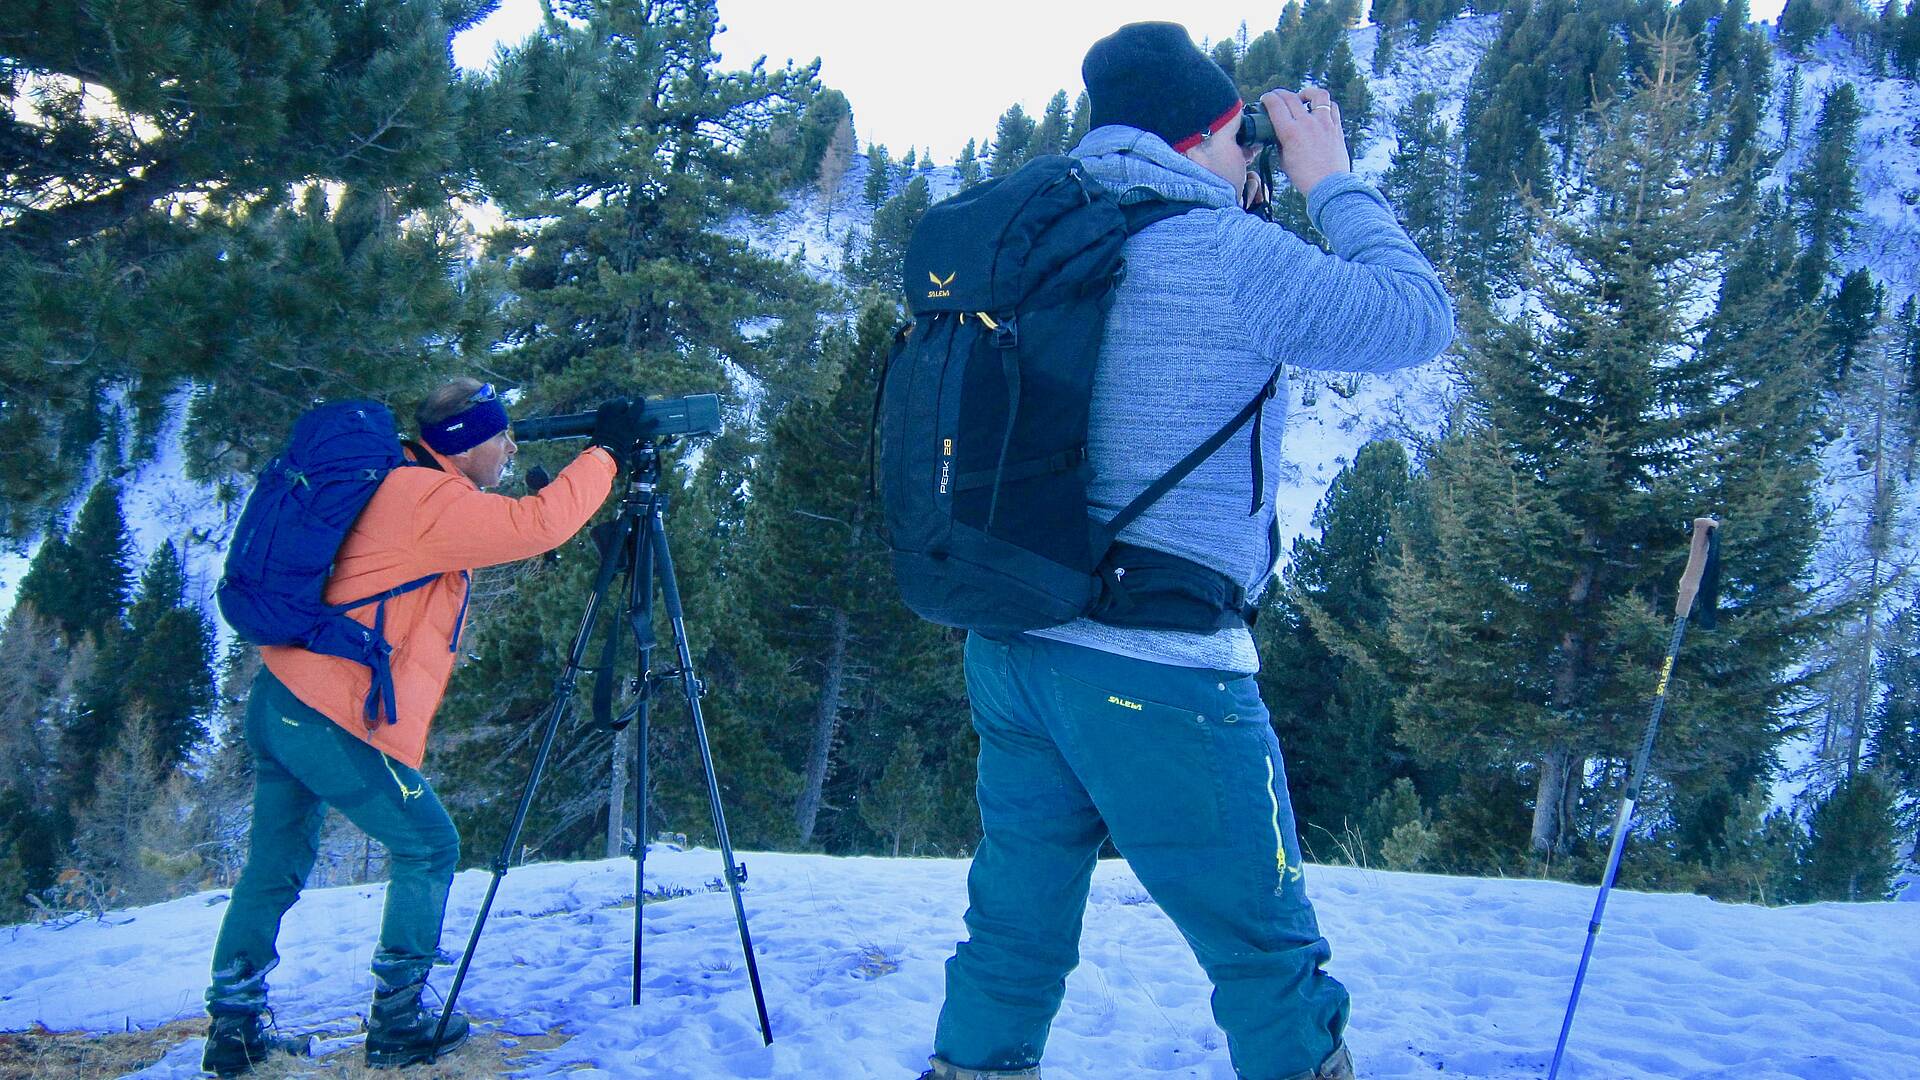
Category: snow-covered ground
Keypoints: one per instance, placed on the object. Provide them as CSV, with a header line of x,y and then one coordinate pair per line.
x,y
1452,977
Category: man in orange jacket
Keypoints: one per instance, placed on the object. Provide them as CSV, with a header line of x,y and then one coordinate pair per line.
x,y
312,746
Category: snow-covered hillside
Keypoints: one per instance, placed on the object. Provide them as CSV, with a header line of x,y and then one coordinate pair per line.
x,y
160,505
1451,977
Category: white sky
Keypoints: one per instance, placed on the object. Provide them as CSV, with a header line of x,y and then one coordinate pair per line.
x,y
926,81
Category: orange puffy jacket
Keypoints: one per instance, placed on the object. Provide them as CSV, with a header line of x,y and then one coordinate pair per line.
x,y
424,521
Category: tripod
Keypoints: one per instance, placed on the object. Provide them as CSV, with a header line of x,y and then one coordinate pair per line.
x,y
633,544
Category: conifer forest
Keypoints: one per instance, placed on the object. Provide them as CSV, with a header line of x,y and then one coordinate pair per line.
x,y
1683,290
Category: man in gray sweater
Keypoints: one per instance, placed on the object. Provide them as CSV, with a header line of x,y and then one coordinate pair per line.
x,y
1158,739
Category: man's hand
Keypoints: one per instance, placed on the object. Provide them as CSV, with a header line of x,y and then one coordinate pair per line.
x,y
1253,192
1307,125
617,429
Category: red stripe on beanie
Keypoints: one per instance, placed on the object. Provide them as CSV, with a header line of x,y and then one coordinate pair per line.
x,y
1219,124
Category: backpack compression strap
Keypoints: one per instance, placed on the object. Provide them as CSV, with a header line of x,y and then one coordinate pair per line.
x,y
1248,412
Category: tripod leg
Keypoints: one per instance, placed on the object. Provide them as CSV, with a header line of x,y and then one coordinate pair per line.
x,y
639,841
676,617
640,615
614,558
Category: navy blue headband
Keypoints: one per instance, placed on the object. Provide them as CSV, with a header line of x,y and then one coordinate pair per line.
x,y
469,427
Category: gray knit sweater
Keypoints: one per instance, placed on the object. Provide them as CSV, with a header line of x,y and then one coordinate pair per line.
x,y
1212,303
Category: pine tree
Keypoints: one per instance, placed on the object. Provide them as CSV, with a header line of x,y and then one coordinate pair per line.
x,y
169,673
1430,15
1761,858
628,155
1332,706
1050,137
102,551
1886,36
44,587
1503,151
968,166
1792,103
125,220
1906,48
879,175
1906,365
1310,47
1851,318
827,142
1392,18
1226,54
1824,193
107,830
1738,75
1850,854
1082,119
1802,23
1420,181
900,803
815,583
1876,423
893,226
31,809
1532,616
1011,142
1894,748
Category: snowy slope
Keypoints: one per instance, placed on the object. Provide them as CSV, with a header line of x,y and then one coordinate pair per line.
x,y
160,505
1452,977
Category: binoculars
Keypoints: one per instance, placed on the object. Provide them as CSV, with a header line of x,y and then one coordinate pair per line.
x,y
1256,127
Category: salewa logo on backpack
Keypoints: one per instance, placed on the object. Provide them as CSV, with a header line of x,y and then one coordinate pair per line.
x,y
940,284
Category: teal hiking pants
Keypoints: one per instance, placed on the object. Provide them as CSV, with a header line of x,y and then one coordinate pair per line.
x,y
1181,768
303,763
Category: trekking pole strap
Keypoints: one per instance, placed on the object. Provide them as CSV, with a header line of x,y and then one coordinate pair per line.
x,y
1703,565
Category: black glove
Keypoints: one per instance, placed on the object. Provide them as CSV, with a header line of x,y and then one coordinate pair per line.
x,y
618,430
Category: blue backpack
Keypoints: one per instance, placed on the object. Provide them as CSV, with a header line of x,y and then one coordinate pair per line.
x,y
282,553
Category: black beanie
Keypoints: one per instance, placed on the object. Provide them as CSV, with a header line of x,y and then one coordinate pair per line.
x,y
1151,76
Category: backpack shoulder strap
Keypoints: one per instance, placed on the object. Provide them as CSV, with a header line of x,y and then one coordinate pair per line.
x,y
421,455
1141,214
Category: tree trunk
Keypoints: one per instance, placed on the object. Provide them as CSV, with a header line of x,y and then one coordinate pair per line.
x,y
1549,797
617,795
1876,547
825,718
1560,771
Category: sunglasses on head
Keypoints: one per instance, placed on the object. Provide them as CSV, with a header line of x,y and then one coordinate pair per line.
x,y
485,393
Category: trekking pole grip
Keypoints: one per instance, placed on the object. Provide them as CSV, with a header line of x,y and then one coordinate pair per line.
x,y
1703,535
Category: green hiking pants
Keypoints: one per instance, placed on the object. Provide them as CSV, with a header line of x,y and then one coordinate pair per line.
x,y
1181,768
303,763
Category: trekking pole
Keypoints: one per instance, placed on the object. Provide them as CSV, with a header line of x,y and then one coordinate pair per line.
x,y
1702,579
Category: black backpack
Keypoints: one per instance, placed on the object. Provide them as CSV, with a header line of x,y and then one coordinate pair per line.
x,y
982,419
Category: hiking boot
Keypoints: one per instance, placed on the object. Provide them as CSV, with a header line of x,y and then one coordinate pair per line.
x,y
1338,1066
943,1071
238,1041
400,1030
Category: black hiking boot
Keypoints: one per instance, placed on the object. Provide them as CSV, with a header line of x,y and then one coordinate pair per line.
x,y
400,1030
238,1041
